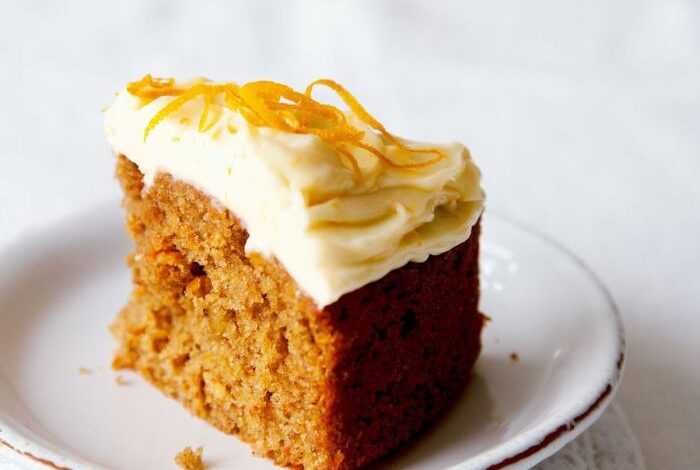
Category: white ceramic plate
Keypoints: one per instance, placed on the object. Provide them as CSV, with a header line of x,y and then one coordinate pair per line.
x,y
60,289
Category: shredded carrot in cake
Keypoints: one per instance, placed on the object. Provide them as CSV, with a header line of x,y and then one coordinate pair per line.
x,y
278,106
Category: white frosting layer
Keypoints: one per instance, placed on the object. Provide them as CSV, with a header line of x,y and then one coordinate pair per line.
x,y
299,201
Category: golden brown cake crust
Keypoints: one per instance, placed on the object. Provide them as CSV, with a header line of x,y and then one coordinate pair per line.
x,y
230,336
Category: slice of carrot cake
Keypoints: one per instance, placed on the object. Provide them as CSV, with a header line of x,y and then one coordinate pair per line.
x,y
302,277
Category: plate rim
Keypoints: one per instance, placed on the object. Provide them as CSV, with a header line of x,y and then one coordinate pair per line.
x,y
554,438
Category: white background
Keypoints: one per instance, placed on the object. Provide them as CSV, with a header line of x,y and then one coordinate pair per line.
x,y
584,117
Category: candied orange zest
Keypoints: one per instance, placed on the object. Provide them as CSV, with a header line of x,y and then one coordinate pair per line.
x,y
389,162
250,94
149,88
376,153
270,104
356,172
205,113
359,110
173,106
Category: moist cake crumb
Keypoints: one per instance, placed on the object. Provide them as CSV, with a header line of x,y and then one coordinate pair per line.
x,y
229,334
119,380
189,459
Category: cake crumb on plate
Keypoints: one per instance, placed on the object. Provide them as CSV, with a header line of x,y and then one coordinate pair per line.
x,y
84,371
514,357
190,459
121,380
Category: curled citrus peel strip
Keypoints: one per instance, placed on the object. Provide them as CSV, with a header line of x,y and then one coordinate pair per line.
x,y
149,88
278,106
359,110
205,113
356,172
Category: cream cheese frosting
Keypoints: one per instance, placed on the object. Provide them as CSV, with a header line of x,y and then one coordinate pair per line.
x,y
299,201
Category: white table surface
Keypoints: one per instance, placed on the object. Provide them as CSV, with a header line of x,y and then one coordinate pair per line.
x,y
584,117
